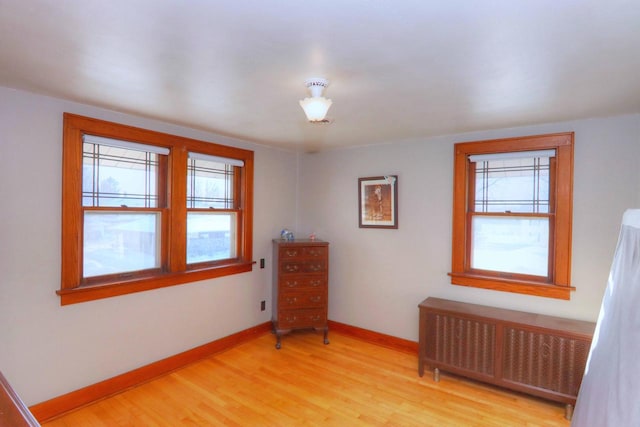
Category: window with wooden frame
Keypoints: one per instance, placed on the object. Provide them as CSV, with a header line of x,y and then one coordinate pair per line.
x,y
512,213
143,210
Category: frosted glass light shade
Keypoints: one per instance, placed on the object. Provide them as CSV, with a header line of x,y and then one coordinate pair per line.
x,y
315,108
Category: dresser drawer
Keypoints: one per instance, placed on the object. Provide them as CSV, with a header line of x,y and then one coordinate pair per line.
x,y
302,298
296,252
303,282
306,318
303,266
316,252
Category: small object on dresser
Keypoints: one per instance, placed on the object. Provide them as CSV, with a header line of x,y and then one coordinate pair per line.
x,y
286,234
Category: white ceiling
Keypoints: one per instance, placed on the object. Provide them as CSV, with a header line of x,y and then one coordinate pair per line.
x,y
397,69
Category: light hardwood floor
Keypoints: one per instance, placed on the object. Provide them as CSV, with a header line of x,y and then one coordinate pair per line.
x,y
346,383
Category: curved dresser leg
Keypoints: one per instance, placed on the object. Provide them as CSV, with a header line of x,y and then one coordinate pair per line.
x,y
568,411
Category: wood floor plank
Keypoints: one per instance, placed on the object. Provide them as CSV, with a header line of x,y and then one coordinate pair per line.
x,y
346,383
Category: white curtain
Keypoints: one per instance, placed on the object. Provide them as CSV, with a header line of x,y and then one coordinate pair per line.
x,y
610,391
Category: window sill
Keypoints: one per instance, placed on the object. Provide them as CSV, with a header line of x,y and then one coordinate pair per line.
x,y
515,286
94,292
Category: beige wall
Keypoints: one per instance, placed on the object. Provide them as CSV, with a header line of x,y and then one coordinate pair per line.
x,y
378,277
47,350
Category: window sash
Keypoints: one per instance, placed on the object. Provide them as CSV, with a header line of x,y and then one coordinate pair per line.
x,y
517,245
511,185
210,185
118,176
211,236
120,241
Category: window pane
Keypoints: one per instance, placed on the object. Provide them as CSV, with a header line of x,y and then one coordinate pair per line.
x,y
120,242
511,245
209,185
114,176
211,236
512,185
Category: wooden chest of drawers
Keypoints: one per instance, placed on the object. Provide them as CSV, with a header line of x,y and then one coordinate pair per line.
x,y
531,353
300,286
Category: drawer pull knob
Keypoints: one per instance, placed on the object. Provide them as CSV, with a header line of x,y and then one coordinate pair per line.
x,y
292,267
292,300
315,298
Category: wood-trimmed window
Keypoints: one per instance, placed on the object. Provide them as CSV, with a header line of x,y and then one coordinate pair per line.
x,y
144,210
512,214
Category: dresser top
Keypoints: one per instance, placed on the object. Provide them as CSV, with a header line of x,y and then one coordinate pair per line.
x,y
305,242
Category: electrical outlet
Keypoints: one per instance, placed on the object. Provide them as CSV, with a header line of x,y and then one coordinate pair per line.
x,y
263,305
261,262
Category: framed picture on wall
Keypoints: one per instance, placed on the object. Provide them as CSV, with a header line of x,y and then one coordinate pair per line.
x,y
378,202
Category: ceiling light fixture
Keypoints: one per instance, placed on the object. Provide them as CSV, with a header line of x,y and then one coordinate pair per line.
x,y
317,106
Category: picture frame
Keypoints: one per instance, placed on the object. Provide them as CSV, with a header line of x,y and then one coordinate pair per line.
x,y
378,202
